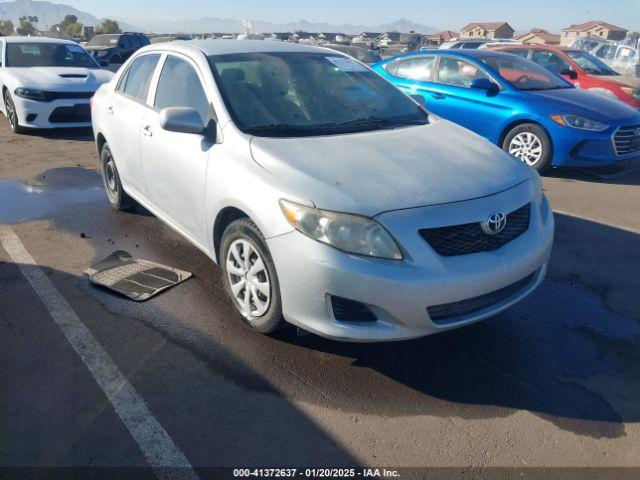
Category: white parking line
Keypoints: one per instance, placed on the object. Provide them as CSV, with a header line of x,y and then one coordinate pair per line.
x,y
159,450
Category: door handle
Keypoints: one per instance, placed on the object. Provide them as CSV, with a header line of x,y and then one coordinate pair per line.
x,y
110,110
438,96
146,131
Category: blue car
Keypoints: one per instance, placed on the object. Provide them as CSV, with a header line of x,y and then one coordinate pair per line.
x,y
530,112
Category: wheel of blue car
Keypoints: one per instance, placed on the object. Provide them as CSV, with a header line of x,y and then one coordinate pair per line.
x,y
249,276
11,113
531,144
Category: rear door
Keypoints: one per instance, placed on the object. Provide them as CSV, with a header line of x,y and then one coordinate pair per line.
x,y
413,74
454,99
124,110
175,164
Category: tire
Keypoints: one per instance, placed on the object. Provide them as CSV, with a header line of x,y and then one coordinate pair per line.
x,y
11,114
118,198
263,314
531,144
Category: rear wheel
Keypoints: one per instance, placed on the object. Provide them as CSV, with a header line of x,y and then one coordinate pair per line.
x,y
249,276
531,144
118,198
11,113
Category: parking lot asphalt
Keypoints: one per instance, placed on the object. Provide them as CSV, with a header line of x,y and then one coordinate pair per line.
x,y
553,382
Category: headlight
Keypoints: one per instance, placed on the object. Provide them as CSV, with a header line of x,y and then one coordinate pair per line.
x,y
634,92
350,233
580,123
30,94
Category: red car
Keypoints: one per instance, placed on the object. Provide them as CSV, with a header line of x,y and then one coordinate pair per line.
x,y
582,69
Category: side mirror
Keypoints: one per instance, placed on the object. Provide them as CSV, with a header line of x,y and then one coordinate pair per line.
x,y
181,120
485,84
572,74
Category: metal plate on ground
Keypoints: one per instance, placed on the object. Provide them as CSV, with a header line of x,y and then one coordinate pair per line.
x,y
136,279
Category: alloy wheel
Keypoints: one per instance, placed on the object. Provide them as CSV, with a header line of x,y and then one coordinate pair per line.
x,y
110,176
11,110
248,279
527,147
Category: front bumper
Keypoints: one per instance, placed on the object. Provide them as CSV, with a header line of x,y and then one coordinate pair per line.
x,y
37,114
400,292
573,148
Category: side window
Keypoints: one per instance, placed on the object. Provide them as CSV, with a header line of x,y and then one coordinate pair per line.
x,y
124,42
418,68
392,67
453,71
551,61
135,82
135,42
179,86
521,52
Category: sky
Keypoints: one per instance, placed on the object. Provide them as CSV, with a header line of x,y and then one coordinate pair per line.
x,y
446,14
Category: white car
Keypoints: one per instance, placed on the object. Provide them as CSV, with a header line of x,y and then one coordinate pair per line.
x,y
47,83
329,198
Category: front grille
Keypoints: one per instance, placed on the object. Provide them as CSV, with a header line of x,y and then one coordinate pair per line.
x,y
76,114
50,96
470,238
626,141
451,312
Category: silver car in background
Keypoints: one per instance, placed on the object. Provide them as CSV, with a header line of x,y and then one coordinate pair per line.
x,y
329,199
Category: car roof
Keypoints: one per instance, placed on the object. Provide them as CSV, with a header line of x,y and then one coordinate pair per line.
x,y
462,52
224,47
36,40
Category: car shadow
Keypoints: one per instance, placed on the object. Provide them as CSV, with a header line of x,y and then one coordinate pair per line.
x,y
628,173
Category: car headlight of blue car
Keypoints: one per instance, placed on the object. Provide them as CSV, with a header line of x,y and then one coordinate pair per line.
x,y
580,123
346,232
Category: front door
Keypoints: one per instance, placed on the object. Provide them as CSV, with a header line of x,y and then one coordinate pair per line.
x,y
452,97
175,164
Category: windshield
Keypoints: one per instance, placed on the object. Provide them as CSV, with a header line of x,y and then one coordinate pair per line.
x,y
590,64
306,94
48,55
523,74
103,41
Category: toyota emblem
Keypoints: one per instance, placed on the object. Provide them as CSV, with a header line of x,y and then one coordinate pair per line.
x,y
494,224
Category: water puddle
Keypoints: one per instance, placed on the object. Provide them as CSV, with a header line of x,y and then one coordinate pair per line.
x,y
55,189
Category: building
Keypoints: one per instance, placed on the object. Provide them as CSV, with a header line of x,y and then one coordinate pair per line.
x,y
492,30
330,37
437,39
538,36
594,28
366,38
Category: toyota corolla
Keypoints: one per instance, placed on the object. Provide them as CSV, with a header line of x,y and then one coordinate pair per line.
x,y
330,199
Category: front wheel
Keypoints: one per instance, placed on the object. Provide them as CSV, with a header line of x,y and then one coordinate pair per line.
x,y
11,113
249,276
531,144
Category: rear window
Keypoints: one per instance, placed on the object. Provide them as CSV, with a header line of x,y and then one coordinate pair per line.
x,y
135,82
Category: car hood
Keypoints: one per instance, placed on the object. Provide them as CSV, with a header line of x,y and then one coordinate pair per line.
x,y
60,78
622,79
374,172
581,102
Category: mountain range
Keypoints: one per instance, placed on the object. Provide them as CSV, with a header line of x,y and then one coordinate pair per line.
x,y
50,13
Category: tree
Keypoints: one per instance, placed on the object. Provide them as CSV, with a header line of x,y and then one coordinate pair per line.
x,y
69,27
34,20
108,26
26,27
6,27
